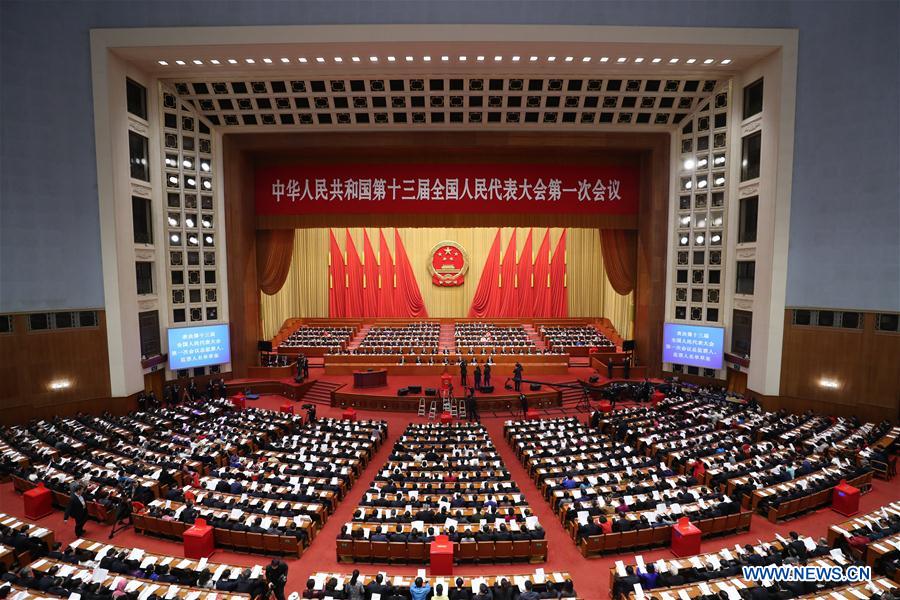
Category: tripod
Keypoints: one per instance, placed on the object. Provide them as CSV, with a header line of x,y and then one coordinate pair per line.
x,y
123,517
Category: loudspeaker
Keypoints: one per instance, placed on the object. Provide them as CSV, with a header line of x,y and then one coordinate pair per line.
x,y
264,345
430,392
594,378
535,387
487,389
628,346
403,391
415,389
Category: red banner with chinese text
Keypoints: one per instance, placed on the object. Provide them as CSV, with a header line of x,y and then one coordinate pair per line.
x,y
446,188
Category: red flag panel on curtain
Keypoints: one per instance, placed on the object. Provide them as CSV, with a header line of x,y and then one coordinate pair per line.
x,y
386,277
337,291
354,280
487,294
407,297
523,280
541,288
370,284
559,301
509,305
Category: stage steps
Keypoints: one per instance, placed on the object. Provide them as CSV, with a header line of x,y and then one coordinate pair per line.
x,y
534,336
320,392
447,339
357,339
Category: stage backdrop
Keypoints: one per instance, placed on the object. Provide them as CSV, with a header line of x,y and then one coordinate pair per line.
x,y
305,291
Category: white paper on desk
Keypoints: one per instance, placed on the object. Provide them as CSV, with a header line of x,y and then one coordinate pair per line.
x,y
704,587
451,523
628,500
683,595
38,564
218,572
738,583
235,513
398,580
420,525
837,555
150,560
582,516
235,573
135,554
661,566
201,565
726,554
115,583
98,575
133,585
171,592
714,561
183,564
620,568
539,576
74,596
476,583
66,571
809,543
193,596
695,562
638,592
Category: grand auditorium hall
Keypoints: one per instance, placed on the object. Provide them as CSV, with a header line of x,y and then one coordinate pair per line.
x,y
449,300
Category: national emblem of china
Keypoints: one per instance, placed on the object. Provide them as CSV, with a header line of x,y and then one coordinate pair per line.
x,y
448,264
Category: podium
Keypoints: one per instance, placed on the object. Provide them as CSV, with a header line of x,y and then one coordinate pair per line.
x,y
199,541
441,556
286,408
239,401
845,499
38,502
349,414
685,538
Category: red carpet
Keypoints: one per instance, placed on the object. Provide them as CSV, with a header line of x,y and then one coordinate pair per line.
x,y
591,576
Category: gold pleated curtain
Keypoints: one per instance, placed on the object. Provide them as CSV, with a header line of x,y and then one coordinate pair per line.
x,y
305,293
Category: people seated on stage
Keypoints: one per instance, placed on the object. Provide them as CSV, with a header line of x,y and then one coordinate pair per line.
x,y
575,336
475,338
414,338
331,338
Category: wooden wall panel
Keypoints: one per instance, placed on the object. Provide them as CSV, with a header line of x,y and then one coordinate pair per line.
x,y
863,362
31,360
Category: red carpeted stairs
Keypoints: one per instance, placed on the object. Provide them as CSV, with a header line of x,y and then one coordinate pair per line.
x,y
447,339
357,338
535,336
320,392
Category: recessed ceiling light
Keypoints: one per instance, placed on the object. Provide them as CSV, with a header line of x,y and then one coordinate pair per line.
x,y
726,61
338,59
569,58
639,59
179,62
391,58
163,63
672,61
302,59
498,58
215,61
285,60
709,61
691,61
551,58
232,61
249,61
533,58
689,164
515,58
197,61
479,57
354,58
268,61
373,58
445,58
462,58
621,59
586,59
319,59
604,59
656,60
409,59
426,58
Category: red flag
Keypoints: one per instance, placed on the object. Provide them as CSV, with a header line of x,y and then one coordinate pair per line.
x,y
354,280
559,299
509,304
370,286
386,275
407,297
523,280
541,288
337,290
486,300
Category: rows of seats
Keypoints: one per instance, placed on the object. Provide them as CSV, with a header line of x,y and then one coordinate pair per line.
x,y
423,336
443,479
567,337
307,336
473,337
873,537
548,585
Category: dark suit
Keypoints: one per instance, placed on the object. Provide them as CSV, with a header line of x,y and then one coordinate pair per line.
x,y
77,509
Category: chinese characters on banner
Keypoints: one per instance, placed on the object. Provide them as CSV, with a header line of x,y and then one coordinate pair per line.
x,y
198,346
693,345
446,188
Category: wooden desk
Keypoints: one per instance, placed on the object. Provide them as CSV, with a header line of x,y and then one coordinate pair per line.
x,y
372,378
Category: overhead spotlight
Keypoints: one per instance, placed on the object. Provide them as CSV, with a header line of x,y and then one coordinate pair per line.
x,y
684,239
744,163
672,61
515,58
320,59
249,61
569,58
171,162
586,59
174,237
604,59
409,59
191,181
691,61
189,222
193,240
720,160
688,185
717,221
173,222
685,221
354,58
709,61
716,238
232,61
621,59
207,223
60,384
727,61
426,58
268,61
533,58
656,60
285,59
163,63
173,180
338,59
701,223
391,58
204,165
639,59
829,383
689,164
699,239
498,58
179,62
197,61
445,58
302,59
215,61
373,58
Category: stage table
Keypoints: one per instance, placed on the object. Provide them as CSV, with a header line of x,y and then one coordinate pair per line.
x,y
370,379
